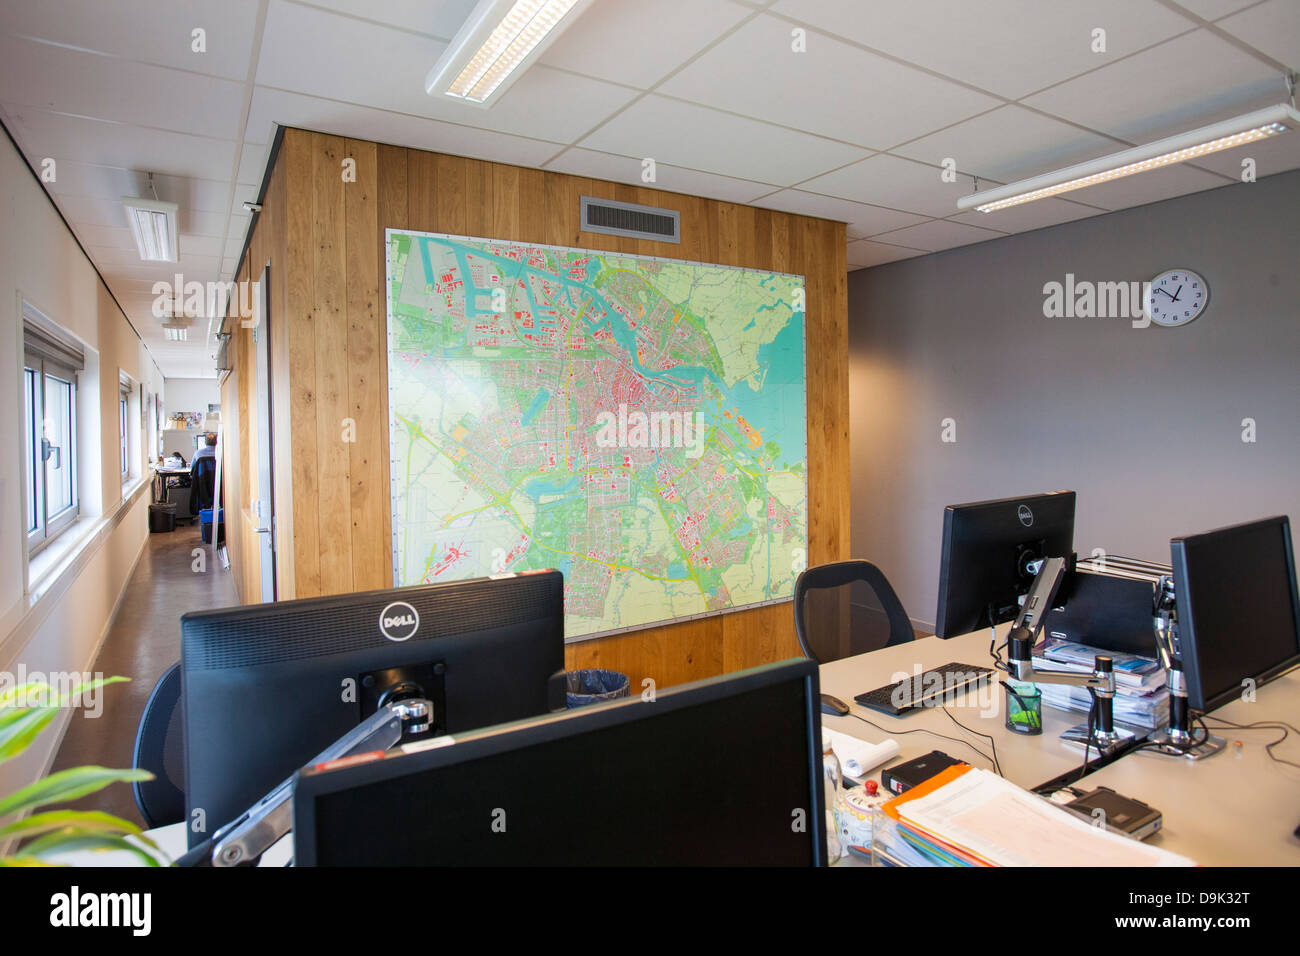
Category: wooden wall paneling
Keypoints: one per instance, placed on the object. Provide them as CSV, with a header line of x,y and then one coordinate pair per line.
x,y
240,518
673,654
447,205
274,206
563,218
330,283
300,322
367,354
479,196
392,198
759,636
422,179
230,466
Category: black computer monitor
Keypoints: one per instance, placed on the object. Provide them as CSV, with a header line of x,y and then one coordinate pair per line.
x,y
266,688
1238,613
725,771
987,548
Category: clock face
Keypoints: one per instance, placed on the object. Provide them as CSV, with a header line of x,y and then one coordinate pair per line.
x,y
1176,297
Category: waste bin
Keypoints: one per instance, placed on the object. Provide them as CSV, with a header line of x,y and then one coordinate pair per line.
x,y
162,518
593,685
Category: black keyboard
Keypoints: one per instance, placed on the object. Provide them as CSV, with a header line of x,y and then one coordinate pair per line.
x,y
929,688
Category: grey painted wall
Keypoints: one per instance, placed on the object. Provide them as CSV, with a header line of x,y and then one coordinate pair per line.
x,y
1145,424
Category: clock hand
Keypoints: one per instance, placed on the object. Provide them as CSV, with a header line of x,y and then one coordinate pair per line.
x,y
1165,291
1174,297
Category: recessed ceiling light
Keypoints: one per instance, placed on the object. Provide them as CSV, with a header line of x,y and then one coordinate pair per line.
x,y
1238,131
176,334
499,40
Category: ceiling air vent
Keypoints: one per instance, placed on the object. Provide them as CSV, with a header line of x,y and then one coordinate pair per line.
x,y
629,219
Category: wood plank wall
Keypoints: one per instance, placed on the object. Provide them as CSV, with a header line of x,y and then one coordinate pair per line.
x,y
329,236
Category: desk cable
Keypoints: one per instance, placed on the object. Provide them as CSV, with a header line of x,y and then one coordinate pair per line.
x,y
957,740
1260,725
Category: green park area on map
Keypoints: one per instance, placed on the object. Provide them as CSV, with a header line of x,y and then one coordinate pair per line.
x,y
637,423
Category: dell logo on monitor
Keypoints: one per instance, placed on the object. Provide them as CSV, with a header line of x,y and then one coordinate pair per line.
x,y
399,621
1025,515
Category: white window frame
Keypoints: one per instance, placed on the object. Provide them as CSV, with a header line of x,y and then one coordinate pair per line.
x,y
124,430
43,528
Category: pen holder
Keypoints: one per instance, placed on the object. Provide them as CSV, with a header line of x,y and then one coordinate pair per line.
x,y
1024,708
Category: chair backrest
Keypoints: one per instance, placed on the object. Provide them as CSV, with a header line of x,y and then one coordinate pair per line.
x,y
158,749
203,486
847,608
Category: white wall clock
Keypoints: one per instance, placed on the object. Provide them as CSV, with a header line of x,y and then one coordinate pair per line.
x,y
1176,297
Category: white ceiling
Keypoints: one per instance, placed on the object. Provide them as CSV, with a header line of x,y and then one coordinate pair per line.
x,y
855,129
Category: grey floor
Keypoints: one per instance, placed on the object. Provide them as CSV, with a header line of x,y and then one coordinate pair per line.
x,y
143,642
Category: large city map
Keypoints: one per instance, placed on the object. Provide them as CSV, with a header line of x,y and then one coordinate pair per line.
x,y
637,423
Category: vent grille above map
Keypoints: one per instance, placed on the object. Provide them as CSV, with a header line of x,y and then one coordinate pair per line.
x,y
628,219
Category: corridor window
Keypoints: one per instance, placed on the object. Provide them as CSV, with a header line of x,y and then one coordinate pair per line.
x,y
124,429
50,365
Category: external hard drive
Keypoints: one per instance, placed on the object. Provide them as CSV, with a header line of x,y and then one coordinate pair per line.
x,y
907,775
1117,812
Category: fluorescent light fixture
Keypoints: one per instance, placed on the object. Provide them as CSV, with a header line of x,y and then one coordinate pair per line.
x,y
176,334
153,224
1239,131
499,40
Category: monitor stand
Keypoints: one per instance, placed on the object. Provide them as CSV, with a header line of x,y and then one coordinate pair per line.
x,y
1175,744
1106,744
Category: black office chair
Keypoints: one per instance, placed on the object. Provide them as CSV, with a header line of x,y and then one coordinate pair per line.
x,y
847,608
158,749
203,483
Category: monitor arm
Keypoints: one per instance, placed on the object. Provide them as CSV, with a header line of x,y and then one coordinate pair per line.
x,y
1176,740
243,841
1099,733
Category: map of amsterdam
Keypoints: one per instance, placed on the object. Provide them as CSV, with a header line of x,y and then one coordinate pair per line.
x,y
636,423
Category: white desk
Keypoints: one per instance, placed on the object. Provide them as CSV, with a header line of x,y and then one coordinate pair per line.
x,y
171,841
1237,808
1026,761
1225,810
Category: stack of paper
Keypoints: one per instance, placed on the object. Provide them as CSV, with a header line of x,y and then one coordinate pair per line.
x,y
1139,710
970,817
1141,698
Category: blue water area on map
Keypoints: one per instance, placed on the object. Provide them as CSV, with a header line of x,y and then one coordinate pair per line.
x,y
783,356
741,528
677,569
424,257
778,410
540,487
535,406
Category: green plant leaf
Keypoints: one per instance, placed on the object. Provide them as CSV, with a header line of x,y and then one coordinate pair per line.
x,y
17,735
47,695
18,692
94,684
66,785
72,840
22,860
88,820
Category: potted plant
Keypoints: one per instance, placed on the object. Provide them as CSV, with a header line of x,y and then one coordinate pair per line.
x,y
25,711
